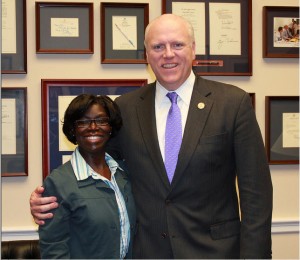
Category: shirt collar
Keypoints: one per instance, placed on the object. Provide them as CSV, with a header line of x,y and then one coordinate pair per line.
x,y
82,170
184,91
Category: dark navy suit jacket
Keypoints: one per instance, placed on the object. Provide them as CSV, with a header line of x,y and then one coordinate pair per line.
x,y
197,216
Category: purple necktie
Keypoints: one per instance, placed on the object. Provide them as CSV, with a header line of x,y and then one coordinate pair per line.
x,y
173,136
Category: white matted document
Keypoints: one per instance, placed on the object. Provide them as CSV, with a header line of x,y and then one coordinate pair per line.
x,y
290,130
64,27
9,27
66,158
195,14
124,32
9,126
225,28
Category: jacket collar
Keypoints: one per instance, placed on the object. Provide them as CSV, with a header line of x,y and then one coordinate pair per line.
x,y
195,124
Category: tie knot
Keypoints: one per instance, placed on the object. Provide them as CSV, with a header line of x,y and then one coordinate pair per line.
x,y
173,97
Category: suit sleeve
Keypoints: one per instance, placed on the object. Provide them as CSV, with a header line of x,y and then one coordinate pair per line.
x,y
113,149
254,184
54,234
113,146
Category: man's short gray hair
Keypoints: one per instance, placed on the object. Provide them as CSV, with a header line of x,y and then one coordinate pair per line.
x,y
187,23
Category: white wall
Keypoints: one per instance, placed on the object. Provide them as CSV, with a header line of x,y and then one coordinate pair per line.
x,y
270,77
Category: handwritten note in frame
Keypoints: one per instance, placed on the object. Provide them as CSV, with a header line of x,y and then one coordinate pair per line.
x,y
223,34
282,129
64,27
122,32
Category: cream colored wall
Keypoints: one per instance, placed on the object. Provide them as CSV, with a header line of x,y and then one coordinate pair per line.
x,y
270,77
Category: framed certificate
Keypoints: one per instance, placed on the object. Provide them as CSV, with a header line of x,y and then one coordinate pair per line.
x,y
282,129
122,32
56,96
223,34
14,157
281,31
14,41
64,27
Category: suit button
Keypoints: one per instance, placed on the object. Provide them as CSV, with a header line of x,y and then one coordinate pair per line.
x,y
168,202
164,235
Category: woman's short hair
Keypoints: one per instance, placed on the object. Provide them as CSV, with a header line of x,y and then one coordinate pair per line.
x,y
78,107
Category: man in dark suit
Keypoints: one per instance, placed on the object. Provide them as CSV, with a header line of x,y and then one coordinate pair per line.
x,y
194,214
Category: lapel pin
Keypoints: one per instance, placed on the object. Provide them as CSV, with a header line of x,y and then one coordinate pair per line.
x,y
201,105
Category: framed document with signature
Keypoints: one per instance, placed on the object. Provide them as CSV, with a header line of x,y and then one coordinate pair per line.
x,y
56,96
64,27
282,129
14,157
223,34
14,39
122,32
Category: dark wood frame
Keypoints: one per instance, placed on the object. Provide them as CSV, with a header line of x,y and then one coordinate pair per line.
x,y
275,106
16,63
269,12
84,44
224,65
52,89
17,164
110,56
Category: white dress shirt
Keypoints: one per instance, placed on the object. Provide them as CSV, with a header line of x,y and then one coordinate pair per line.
x,y
163,104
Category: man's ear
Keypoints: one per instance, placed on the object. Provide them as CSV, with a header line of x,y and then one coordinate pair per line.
x,y
194,50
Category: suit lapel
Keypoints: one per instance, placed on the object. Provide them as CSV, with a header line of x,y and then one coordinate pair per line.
x,y
145,110
200,107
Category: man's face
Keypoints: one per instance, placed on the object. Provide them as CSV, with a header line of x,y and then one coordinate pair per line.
x,y
170,52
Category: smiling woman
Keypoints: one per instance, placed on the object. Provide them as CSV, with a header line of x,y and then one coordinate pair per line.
x,y
90,188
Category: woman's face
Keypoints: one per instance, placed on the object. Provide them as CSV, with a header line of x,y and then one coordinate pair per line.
x,y
92,131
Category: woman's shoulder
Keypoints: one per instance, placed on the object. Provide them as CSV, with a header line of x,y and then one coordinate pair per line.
x,y
62,174
61,182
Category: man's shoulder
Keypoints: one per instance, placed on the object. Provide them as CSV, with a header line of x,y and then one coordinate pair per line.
x,y
219,87
135,95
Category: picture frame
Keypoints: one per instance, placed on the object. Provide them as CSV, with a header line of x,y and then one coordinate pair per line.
x,y
14,37
14,156
64,27
56,95
122,32
282,129
274,43
223,34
